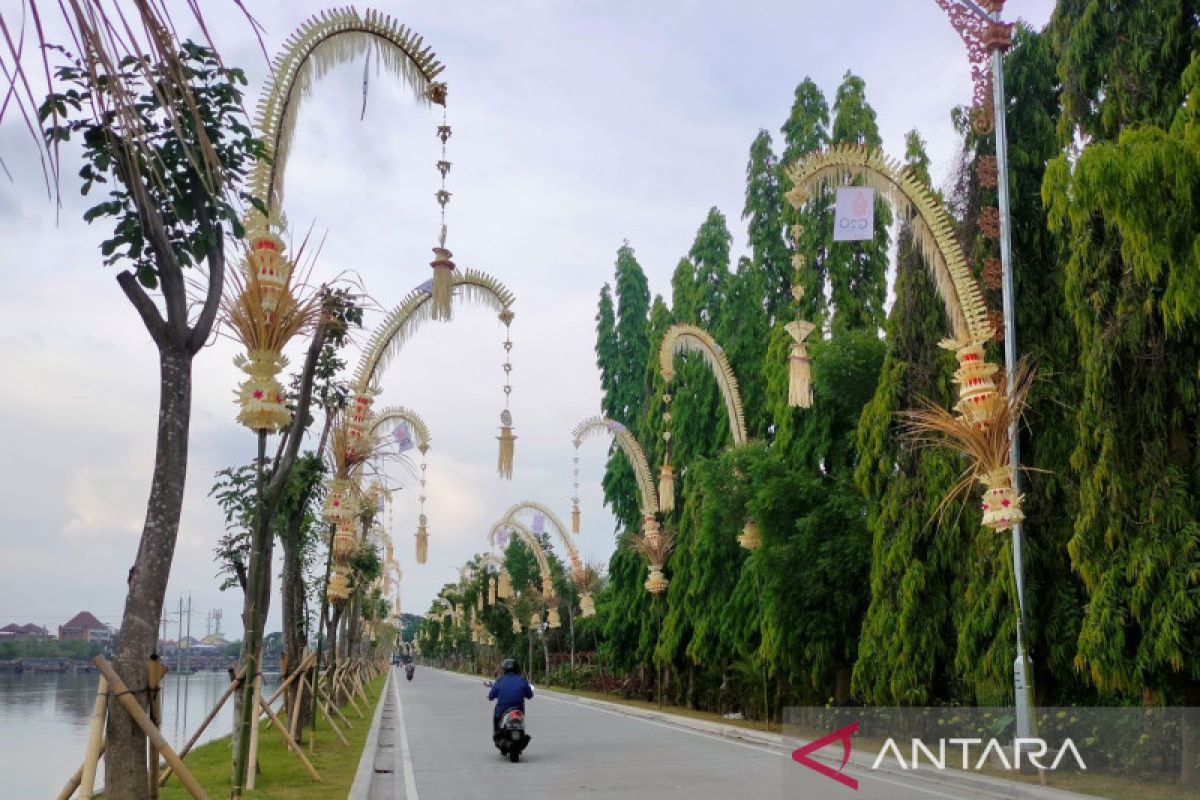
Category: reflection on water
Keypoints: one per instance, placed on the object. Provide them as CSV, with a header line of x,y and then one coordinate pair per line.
x,y
44,721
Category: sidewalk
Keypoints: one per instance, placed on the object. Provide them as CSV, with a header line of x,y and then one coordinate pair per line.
x,y
380,770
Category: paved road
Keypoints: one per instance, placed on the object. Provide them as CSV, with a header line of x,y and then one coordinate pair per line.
x,y
436,737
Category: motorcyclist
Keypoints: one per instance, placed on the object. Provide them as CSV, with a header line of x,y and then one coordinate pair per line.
x,y
510,691
408,670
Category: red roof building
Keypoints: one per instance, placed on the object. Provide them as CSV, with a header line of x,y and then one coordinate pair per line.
x,y
30,631
83,627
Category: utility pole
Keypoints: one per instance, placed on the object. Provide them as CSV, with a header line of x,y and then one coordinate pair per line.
x,y
189,634
988,33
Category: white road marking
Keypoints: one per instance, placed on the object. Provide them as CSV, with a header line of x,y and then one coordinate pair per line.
x,y
410,783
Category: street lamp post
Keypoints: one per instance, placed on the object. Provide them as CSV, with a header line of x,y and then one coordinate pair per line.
x,y
985,32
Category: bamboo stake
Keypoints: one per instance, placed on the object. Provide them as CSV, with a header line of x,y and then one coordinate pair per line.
x,y
297,700
252,761
330,702
291,743
332,725
95,739
77,778
187,748
139,716
283,686
157,672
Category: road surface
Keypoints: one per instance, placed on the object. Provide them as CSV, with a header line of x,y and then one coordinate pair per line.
x,y
435,738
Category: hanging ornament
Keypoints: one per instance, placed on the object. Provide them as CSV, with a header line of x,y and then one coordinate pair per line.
x,y
656,583
516,626
575,513
491,592
479,604
977,393
506,438
535,620
261,396
666,474
443,266
505,588
800,394
751,537
552,618
422,540
587,606
1001,504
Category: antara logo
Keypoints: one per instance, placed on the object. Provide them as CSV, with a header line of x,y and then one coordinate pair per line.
x,y
990,751
800,755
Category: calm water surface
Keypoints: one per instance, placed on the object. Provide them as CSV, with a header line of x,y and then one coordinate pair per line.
x,y
44,720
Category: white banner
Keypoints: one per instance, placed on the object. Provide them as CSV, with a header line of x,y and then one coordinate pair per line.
x,y
854,217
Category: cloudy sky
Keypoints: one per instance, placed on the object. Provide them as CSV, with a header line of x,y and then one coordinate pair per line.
x,y
577,125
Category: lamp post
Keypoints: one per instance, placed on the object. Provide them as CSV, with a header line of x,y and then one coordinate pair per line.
x,y
987,37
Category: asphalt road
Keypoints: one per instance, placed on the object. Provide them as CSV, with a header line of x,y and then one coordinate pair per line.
x,y
438,745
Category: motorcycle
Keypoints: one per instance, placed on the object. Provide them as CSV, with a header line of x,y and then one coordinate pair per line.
x,y
510,738
409,669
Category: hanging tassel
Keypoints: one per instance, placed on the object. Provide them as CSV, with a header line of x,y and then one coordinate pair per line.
x,y
799,378
516,625
587,606
504,590
666,488
443,283
552,619
422,542
575,518
491,592
479,605
507,445
800,393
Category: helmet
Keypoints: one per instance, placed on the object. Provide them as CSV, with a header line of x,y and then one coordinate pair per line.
x,y
510,665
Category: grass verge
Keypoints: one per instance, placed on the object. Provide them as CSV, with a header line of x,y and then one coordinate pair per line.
x,y
281,775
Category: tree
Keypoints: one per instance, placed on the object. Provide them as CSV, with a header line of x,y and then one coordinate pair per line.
x,y
807,130
905,656
172,168
1126,206
763,212
857,270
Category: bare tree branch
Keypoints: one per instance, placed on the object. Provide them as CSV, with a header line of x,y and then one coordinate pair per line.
x,y
216,276
145,307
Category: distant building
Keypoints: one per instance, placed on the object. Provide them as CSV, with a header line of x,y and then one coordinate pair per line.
x,y
14,631
83,627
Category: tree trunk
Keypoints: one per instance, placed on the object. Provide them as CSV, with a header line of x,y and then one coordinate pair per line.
x,y
125,753
292,598
841,690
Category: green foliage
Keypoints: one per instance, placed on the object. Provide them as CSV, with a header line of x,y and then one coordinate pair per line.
x,y
173,179
49,648
858,270
807,130
763,212
1127,207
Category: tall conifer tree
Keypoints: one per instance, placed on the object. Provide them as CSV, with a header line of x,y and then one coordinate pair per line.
x,y
1127,208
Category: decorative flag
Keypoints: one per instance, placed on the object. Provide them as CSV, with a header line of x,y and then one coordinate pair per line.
x,y
426,287
502,537
539,523
854,216
382,504
404,437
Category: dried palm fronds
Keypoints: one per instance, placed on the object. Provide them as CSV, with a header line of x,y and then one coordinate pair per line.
x,y
416,309
266,317
691,339
985,447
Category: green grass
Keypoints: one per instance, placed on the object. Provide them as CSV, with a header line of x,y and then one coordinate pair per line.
x,y
281,775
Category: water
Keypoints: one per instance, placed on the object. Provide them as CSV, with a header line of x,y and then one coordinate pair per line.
x,y
44,719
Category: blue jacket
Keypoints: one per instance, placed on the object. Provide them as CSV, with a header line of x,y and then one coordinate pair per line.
x,y
510,691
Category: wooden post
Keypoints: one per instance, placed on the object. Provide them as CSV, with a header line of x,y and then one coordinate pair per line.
x,y
95,740
252,762
139,716
297,704
157,672
77,778
187,748
291,743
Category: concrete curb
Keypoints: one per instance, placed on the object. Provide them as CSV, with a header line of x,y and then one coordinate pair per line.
x,y
366,763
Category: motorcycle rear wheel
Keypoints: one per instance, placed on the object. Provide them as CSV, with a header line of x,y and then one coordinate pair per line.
x,y
514,756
